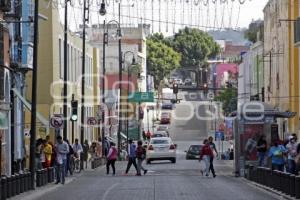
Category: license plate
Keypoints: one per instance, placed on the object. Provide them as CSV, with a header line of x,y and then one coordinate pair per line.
x,y
197,156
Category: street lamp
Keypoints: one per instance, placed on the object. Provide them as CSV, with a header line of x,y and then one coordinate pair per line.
x,y
102,10
105,42
128,75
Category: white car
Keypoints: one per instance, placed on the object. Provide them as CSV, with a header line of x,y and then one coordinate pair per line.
x,y
161,148
163,127
178,81
160,134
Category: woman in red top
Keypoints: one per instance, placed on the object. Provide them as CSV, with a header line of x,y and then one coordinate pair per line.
x,y
205,154
111,158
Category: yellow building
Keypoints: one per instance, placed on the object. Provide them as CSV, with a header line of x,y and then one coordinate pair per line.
x,y
50,75
293,69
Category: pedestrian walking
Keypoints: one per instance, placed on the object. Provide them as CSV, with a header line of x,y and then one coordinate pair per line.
x,y
99,148
106,146
85,152
131,156
140,155
38,152
68,167
292,153
276,153
111,158
48,154
205,154
211,161
62,149
261,151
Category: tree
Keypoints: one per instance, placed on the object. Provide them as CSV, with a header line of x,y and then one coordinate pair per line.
x,y
195,46
254,28
161,60
228,97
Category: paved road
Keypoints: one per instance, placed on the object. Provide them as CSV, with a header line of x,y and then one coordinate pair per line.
x,y
165,181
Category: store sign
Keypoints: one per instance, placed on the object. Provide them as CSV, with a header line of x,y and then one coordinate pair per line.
x,y
3,121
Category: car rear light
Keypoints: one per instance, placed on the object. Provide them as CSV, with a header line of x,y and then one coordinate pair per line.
x,y
150,148
172,146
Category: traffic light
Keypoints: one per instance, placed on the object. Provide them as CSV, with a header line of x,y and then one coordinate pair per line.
x,y
175,88
74,115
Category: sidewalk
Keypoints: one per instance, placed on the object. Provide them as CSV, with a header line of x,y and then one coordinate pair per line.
x,y
41,191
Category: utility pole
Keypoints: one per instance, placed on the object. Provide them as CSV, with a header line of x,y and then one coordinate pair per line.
x,y
34,94
120,80
85,19
103,89
65,107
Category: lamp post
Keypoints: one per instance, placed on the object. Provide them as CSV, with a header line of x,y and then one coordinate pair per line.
x,y
105,42
128,76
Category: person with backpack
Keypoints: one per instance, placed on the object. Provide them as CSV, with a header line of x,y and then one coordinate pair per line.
x,y
131,156
111,158
140,155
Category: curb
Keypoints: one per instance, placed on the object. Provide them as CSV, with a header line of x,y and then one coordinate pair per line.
x,y
277,194
41,191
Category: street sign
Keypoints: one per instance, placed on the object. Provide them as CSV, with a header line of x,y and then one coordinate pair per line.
x,y
211,96
57,121
141,97
219,136
92,121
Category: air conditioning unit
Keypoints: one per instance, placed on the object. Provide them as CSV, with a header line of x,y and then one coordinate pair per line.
x,y
297,32
5,5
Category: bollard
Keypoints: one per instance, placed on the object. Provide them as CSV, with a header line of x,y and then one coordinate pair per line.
x,y
13,185
29,181
26,188
38,178
42,177
49,175
297,187
287,183
18,184
275,180
292,185
92,164
251,172
46,177
22,183
9,189
3,188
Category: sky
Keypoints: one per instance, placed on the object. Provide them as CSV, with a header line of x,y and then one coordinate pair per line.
x,y
167,16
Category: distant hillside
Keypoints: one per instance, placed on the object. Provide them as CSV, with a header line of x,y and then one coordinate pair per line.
x,y
237,37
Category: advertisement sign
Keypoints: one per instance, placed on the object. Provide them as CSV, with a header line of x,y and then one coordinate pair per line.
x,y
249,139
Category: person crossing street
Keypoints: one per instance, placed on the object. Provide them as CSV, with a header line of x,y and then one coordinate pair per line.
x,y
205,155
140,155
211,161
131,157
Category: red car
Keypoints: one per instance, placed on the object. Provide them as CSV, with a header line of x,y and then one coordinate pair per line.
x,y
165,118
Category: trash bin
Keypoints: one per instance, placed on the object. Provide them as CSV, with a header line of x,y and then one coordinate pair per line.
x,y
3,188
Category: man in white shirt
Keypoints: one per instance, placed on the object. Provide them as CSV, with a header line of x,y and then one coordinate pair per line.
x,y
77,148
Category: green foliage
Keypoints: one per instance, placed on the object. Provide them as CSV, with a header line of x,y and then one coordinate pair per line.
x,y
161,59
195,46
254,28
228,97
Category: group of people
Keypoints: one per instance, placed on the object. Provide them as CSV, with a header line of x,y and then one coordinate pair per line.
x,y
59,155
284,155
136,156
207,155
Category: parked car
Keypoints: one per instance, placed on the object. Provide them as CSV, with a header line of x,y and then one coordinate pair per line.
x,y
194,152
165,118
167,106
161,148
178,81
160,134
188,81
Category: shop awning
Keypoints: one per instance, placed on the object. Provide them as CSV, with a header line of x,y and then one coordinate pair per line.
x,y
27,104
